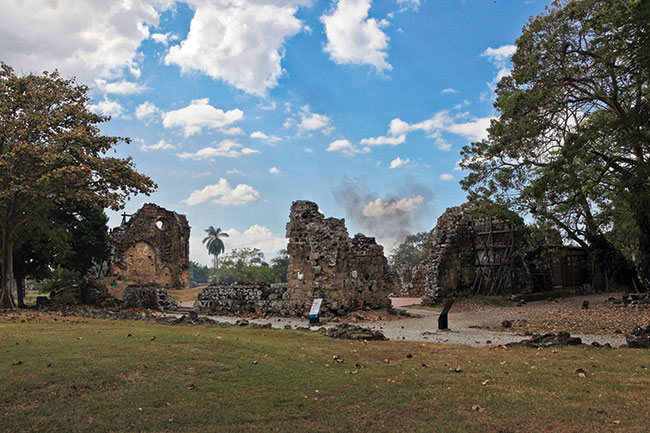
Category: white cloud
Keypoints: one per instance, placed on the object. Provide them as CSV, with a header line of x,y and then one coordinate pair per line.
x,y
147,111
257,236
123,87
399,162
164,38
161,145
198,115
379,141
86,39
449,90
346,148
409,4
353,38
312,121
108,108
381,208
446,177
274,170
224,149
233,130
222,193
472,128
500,58
398,127
239,42
235,171
262,136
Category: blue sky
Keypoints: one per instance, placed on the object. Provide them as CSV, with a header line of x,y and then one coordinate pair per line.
x,y
237,108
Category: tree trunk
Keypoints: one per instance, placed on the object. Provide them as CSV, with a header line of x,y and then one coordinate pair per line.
x,y
8,281
620,273
641,214
20,291
216,268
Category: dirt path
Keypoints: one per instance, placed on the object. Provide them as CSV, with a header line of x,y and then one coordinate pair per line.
x,y
467,326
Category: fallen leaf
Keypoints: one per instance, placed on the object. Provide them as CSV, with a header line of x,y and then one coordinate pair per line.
x,y
477,408
17,363
425,366
408,355
153,338
337,358
254,362
485,382
129,336
191,386
386,361
458,369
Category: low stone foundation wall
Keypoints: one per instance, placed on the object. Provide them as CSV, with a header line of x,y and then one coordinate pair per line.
x,y
242,298
151,296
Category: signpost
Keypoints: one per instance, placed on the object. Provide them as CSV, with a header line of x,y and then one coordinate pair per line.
x,y
442,319
314,313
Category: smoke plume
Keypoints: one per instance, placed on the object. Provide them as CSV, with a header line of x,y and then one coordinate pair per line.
x,y
389,218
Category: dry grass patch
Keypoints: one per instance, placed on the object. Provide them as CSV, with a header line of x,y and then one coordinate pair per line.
x,y
202,379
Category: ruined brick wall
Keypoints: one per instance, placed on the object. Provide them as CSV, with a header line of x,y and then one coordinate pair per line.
x,y
152,247
151,296
242,298
469,255
449,266
349,274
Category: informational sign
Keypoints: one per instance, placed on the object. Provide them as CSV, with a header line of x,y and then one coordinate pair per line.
x,y
314,313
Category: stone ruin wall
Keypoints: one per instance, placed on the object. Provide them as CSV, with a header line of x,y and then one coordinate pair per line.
x,y
152,247
242,298
458,248
349,274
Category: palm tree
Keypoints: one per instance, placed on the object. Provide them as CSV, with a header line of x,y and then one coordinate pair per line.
x,y
214,244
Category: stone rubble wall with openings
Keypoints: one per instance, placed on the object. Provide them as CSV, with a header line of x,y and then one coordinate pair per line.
x,y
349,274
242,298
151,296
152,247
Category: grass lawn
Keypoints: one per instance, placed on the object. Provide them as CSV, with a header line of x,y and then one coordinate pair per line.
x,y
72,374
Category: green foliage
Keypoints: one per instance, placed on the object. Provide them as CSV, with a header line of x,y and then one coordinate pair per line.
x,y
280,266
411,251
198,273
247,264
52,152
571,144
59,278
214,244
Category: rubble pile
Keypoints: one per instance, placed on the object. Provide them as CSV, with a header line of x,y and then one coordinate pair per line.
x,y
86,292
640,338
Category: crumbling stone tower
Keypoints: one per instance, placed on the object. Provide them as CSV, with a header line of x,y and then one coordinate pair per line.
x,y
349,274
152,247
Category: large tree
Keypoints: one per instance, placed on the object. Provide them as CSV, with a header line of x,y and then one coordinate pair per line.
x,y
52,151
571,144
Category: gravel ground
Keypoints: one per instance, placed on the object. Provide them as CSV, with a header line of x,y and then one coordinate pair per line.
x,y
462,326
